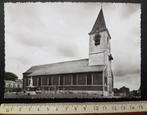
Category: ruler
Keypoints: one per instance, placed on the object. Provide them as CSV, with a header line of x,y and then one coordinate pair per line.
x,y
73,108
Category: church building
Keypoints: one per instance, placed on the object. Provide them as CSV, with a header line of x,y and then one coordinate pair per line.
x,y
93,74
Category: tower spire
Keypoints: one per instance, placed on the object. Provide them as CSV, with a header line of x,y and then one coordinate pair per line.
x,y
99,23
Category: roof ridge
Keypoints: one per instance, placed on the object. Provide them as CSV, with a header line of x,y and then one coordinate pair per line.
x,y
72,66
60,62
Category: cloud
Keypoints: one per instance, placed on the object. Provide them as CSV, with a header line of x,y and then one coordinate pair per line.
x,y
126,10
121,71
67,51
131,81
31,40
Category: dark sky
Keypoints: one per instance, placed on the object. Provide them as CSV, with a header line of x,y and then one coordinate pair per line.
x,y
42,33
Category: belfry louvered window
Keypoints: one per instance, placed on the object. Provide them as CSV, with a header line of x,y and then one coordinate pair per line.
x,y
97,39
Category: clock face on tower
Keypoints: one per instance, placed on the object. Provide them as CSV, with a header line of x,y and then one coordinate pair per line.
x,y
97,39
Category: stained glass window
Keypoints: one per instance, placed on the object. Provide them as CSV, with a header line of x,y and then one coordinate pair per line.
x,y
55,80
81,79
97,78
67,79
89,79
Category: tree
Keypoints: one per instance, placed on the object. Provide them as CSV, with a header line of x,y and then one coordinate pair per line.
x,y
10,76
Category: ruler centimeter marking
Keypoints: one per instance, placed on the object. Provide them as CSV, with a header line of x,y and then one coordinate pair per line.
x,y
74,108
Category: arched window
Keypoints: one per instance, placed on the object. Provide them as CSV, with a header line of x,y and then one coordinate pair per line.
x,y
97,39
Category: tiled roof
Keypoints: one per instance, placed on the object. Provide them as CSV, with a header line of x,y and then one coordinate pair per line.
x,y
99,23
75,66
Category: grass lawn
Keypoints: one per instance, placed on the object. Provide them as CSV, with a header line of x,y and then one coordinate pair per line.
x,y
25,96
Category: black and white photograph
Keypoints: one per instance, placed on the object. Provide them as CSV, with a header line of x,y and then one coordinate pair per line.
x,y
72,50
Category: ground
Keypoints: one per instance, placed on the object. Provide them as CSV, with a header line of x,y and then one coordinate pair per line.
x,y
51,95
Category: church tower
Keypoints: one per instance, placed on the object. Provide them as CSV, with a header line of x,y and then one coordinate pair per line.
x,y
100,50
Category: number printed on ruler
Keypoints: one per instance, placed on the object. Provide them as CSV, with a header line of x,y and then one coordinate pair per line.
x,y
74,108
